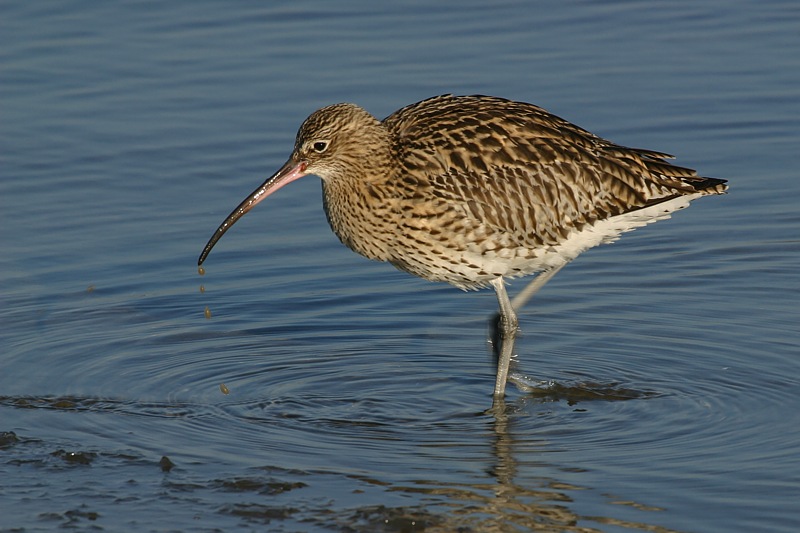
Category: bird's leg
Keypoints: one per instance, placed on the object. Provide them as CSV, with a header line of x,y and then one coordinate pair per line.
x,y
505,326
533,287
508,324
508,317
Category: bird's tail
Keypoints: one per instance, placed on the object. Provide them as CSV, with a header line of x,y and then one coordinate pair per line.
x,y
707,185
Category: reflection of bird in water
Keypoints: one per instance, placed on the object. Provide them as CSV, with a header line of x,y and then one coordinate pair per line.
x,y
472,190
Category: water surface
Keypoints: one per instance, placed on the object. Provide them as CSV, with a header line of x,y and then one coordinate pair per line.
x,y
358,396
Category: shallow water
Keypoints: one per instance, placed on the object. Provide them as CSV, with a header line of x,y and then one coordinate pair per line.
x,y
358,397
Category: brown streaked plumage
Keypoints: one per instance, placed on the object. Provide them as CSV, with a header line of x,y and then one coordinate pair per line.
x,y
475,189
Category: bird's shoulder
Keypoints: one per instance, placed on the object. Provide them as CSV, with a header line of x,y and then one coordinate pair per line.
x,y
446,116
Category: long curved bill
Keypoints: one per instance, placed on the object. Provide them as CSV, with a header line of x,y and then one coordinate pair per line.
x,y
289,172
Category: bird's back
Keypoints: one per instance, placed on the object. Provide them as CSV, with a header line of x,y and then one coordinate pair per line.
x,y
490,136
486,186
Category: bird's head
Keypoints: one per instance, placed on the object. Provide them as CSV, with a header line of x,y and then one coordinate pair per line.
x,y
337,142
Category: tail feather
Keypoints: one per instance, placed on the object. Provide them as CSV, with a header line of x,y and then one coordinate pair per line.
x,y
707,185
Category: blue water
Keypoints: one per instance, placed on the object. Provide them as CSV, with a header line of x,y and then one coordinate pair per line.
x,y
358,396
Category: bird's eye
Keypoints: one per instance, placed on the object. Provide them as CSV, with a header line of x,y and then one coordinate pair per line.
x,y
320,146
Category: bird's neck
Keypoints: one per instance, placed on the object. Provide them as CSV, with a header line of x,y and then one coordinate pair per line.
x,y
360,213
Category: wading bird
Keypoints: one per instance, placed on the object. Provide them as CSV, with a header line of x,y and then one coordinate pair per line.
x,y
474,190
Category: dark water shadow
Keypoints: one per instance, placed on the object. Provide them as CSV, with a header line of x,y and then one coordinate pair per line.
x,y
552,391
586,391
502,500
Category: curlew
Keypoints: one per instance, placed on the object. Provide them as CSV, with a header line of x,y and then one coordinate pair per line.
x,y
474,190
